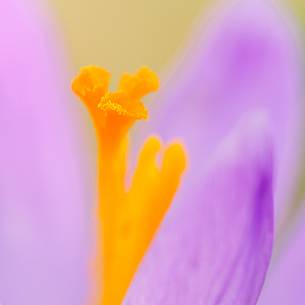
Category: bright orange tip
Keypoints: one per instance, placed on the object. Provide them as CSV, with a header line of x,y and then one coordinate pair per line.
x,y
140,84
91,84
176,154
118,103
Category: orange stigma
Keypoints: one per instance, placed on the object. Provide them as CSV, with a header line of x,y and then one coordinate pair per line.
x,y
128,217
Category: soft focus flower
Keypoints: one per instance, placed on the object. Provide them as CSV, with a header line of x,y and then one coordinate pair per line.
x,y
215,243
128,217
234,102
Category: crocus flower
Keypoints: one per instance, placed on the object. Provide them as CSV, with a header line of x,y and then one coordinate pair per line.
x,y
214,245
215,242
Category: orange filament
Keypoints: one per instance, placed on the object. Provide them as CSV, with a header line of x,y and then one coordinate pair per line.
x,y
127,218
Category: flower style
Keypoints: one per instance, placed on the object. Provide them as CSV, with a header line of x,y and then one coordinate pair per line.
x,y
128,217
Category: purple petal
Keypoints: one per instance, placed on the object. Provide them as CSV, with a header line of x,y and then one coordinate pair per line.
x,y
285,284
243,60
215,243
43,252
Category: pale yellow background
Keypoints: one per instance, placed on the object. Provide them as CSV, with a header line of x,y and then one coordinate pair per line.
x,y
123,35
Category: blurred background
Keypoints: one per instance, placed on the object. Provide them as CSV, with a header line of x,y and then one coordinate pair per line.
x,y
122,35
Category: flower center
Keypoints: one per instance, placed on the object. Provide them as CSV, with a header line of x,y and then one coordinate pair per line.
x,y
127,217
